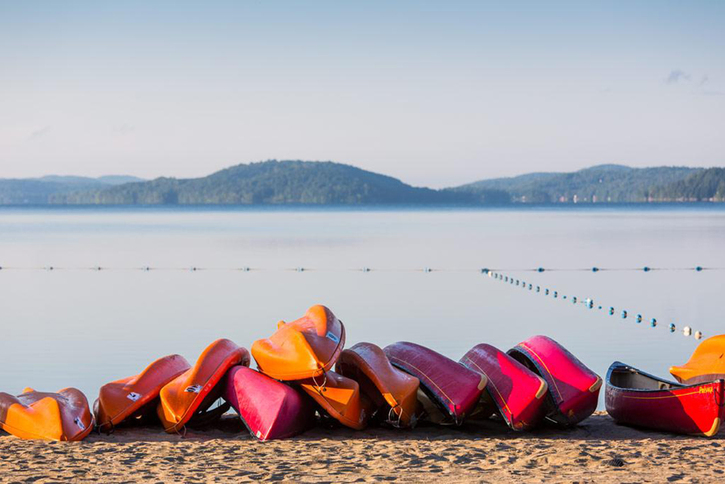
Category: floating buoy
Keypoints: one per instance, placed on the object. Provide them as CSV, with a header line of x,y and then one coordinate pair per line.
x,y
540,269
595,269
687,331
367,269
245,269
698,335
611,311
506,279
556,293
538,288
573,299
698,269
653,322
193,269
147,268
530,286
300,269
427,269
646,269
639,318
484,271
546,292
672,327
624,314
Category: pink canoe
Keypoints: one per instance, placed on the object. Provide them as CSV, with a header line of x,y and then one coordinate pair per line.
x,y
451,386
636,398
573,388
517,391
270,409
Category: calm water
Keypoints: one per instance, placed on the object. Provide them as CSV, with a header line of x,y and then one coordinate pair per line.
x,y
84,328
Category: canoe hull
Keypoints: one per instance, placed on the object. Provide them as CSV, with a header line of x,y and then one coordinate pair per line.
x,y
305,348
198,387
269,409
62,416
707,363
392,391
517,391
341,398
450,385
126,398
573,389
685,409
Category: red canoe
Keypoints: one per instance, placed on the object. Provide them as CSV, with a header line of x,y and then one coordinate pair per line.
x,y
639,399
573,388
517,391
270,409
450,385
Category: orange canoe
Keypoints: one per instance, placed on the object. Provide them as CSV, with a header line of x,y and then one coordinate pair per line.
x,y
191,394
302,349
387,387
48,416
706,364
131,397
340,397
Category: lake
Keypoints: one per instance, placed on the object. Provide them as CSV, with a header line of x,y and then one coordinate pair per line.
x,y
72,326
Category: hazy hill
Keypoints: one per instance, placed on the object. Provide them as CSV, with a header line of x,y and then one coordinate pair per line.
x,y
39,191
269,182
603,183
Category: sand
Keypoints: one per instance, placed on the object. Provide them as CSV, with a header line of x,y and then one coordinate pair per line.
x,y
596,451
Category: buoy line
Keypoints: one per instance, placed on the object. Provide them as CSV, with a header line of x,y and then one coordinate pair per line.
x,y
192,268
588,302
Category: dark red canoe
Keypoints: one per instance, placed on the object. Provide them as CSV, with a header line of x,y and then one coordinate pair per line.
x,y
573,388
517,391
270,409
450,385
636,398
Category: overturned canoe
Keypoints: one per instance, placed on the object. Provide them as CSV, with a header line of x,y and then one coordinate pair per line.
x,y
636,398
48,416
340,397
136,396
305,348
189,395
269,409
391,391
451,386
707,363
517,391
573,389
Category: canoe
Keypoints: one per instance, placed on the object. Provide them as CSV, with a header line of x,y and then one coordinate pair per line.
x,y
449,385
340,397
573,389
517,392
707,363
63,416
636,398
268,408
186,398
131,398
305,348
392,392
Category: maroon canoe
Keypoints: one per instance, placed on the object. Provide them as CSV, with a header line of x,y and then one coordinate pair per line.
x,y
636,398
517,391
451,386
269,409
573,388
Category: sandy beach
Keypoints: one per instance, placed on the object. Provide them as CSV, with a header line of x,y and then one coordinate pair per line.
x,y
595,451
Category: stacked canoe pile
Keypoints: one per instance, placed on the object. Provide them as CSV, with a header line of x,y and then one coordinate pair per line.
x,y
305,375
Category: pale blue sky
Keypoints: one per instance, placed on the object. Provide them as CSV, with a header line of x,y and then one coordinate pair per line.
x,y
435,93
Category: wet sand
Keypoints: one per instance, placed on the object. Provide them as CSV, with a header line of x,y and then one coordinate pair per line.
x,y
595,451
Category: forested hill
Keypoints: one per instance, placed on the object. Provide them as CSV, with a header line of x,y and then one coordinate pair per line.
x,y
603,183
704,185
271,182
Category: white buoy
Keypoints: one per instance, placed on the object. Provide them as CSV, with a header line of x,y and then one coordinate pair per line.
x,y
687,331
698,335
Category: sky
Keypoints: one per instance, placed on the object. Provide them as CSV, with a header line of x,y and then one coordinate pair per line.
x,y
434,93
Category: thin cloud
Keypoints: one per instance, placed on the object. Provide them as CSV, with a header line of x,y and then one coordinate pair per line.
x,y
676,76
704,79
39,133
